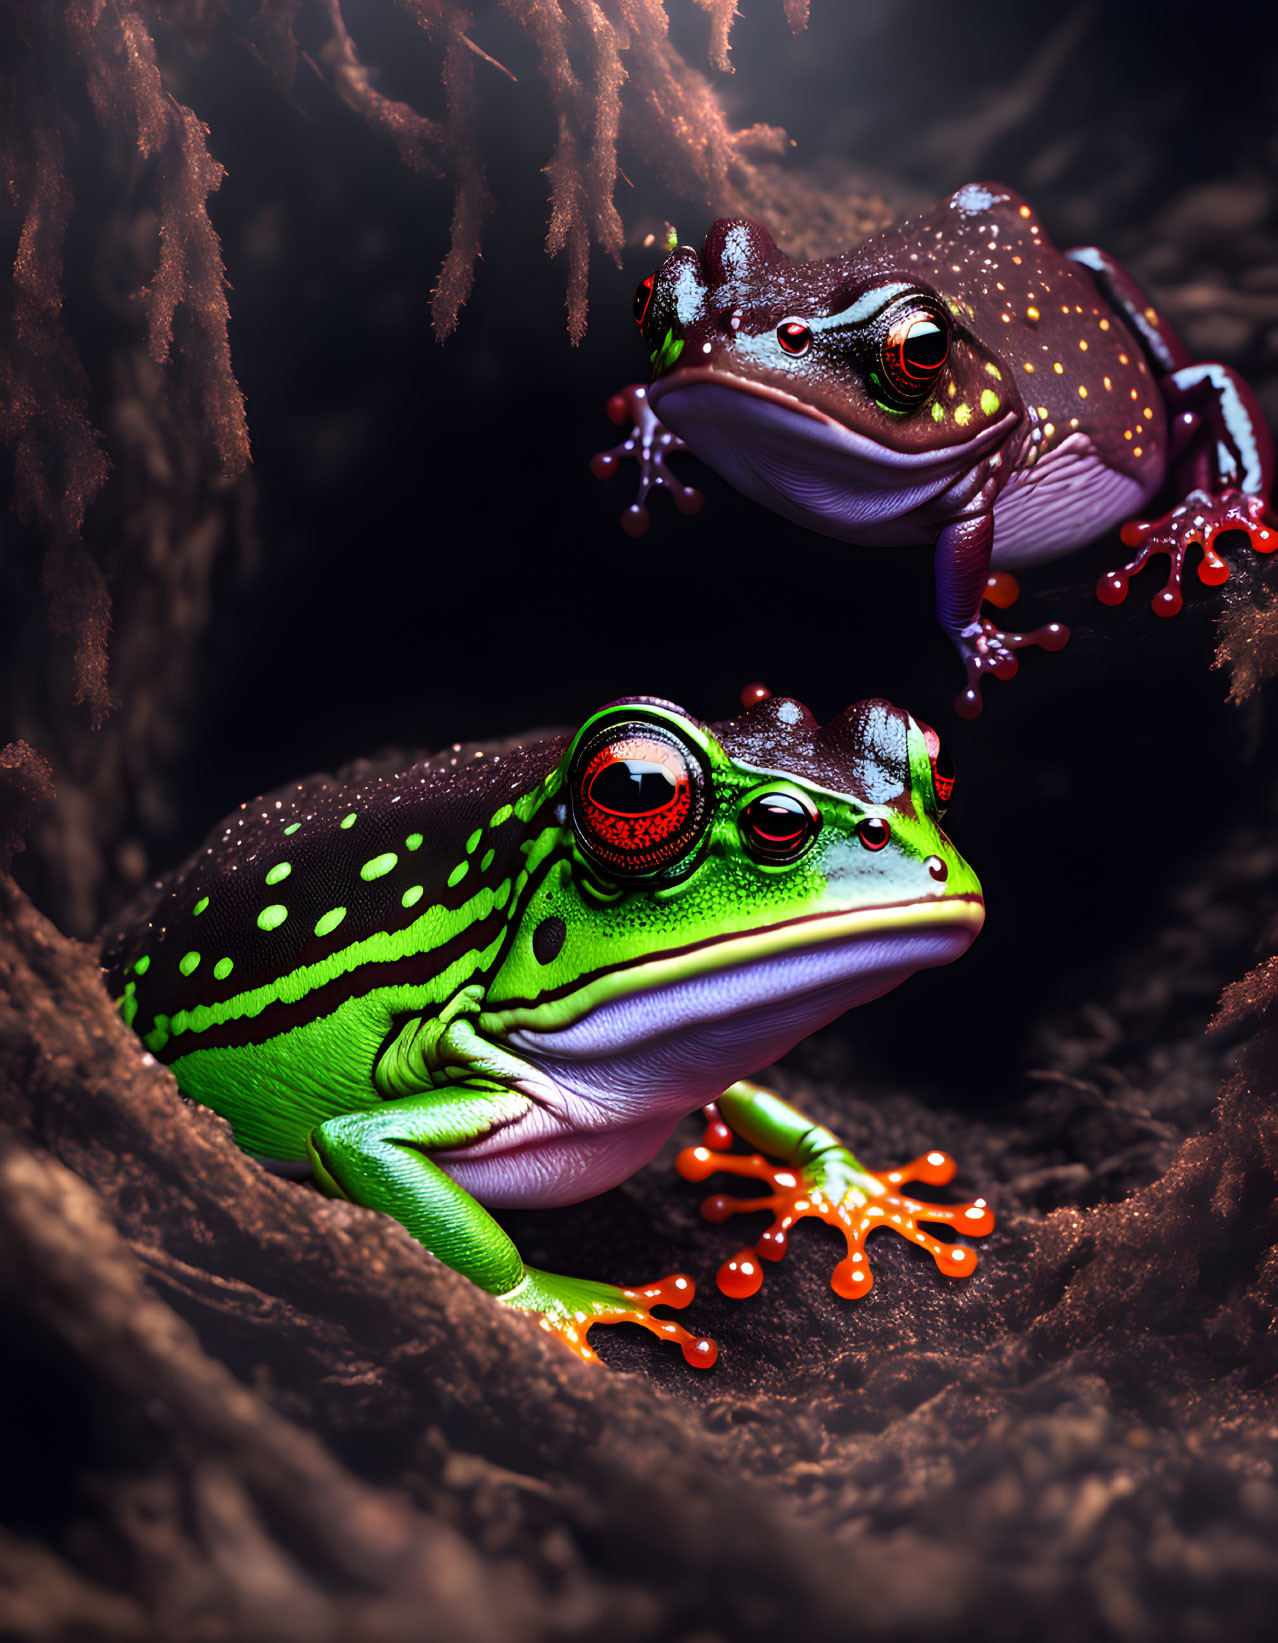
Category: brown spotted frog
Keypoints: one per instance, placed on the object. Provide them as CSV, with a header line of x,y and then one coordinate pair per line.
x,y
957,381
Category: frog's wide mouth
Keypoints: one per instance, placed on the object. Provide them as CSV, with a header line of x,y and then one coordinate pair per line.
x,y
680,382
803,463
825,949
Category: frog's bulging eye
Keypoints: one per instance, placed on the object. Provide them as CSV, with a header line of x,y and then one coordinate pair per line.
x,y
794,336
638,799
874,832
913,350
778,827
643,300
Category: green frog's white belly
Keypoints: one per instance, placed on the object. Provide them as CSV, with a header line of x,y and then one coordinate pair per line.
x,y
612,1087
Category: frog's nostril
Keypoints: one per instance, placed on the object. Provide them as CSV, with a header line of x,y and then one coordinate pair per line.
x,y
938,868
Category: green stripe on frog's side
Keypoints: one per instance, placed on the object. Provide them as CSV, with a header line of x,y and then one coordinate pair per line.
x,y
381,976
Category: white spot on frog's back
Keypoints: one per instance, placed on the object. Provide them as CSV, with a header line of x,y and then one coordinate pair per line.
x,y
972,198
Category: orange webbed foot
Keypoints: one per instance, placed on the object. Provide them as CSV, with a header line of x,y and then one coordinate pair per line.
x,y
836,1189
571,1307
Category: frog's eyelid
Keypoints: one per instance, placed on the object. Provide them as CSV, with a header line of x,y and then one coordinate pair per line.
x,y
866,306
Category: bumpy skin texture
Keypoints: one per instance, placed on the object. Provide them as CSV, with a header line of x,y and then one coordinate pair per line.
x,y
1057,410
503,978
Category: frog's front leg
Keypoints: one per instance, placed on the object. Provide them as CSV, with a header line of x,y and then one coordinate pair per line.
x,y
823,1180
962,569
650,443
1229,471
381,1159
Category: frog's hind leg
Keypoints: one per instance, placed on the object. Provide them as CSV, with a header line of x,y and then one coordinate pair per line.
x,y
380,1158
1229,472
1225,470
823,1180
1162,344
962,570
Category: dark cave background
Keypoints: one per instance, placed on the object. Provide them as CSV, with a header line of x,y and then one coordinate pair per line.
x,y
422,556
431,561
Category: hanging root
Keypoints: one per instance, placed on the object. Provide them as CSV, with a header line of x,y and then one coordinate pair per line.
x,y
60,465
608,68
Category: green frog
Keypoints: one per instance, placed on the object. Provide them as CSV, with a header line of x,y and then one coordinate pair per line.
x,y
502,976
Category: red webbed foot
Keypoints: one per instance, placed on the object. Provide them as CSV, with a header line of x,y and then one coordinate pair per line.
x,y
1198,520
651,445
835,1188
987,649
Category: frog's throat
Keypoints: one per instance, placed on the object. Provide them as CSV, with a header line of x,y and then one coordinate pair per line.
x,y
953,920
811,469
679,385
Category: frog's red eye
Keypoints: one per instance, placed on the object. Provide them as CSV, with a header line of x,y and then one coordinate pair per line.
x,y
794,336
914,348
639,798
778,827
874,833
643,299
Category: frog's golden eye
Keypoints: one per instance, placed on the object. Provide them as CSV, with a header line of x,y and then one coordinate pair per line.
x,y
914,346
794,336
777,827
643,300
639,798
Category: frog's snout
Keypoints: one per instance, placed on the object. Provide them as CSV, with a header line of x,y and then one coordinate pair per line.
x,y
683,302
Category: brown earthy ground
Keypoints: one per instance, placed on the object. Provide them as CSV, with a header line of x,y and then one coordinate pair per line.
x,y
232,1409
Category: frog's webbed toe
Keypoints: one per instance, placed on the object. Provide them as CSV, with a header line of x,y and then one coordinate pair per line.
x,y
831,1186
571,1307
1197,521
988,649
651,444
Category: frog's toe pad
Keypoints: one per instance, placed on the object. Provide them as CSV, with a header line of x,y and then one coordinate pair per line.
x,y
649,443
576,1308
797,1195
987,649
1197,521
